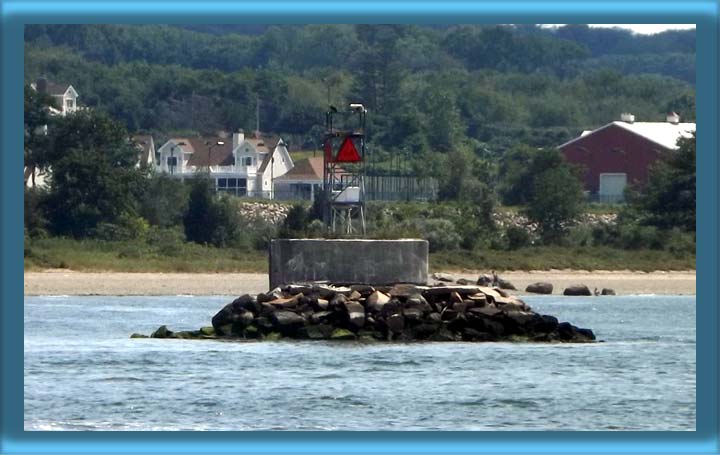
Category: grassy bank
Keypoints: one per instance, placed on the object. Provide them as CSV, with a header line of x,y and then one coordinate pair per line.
x,y
136,256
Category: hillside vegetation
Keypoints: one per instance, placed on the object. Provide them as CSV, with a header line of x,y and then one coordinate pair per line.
x,y
479,108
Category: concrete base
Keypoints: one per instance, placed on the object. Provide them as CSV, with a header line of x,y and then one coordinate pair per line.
x,y
348,261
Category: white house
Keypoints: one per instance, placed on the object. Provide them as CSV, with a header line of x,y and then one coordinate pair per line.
x,y
241,166
64,95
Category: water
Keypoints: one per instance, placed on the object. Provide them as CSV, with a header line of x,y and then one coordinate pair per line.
x,y
82,372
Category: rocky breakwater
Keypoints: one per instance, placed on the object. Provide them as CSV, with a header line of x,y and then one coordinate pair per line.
x,y
402,312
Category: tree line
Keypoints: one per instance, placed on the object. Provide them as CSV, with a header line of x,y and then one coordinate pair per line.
x,y
425,87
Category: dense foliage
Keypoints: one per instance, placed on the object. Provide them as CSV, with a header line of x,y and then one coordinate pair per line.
x,y
480,108
425,87
94,179
669,199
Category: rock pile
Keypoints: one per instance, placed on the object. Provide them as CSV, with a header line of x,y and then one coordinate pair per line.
x,y
401,312
263,212
503,220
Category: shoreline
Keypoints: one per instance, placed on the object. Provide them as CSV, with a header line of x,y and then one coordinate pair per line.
x,y
68,282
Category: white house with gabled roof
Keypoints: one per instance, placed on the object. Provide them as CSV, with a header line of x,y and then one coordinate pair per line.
x,y
242,166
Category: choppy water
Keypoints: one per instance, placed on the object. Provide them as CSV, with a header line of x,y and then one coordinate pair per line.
x,y
82,372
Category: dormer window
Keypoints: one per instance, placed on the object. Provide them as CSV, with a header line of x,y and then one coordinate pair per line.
x,y
247,161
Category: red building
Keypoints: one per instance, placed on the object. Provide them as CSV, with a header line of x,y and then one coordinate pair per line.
x,y
621,153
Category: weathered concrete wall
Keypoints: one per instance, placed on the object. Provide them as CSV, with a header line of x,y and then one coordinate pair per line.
x,y
348,261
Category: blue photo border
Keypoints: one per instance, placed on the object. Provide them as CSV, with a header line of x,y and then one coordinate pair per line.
x,y
16,13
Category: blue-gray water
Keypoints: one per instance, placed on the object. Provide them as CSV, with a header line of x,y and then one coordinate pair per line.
x,y
82,372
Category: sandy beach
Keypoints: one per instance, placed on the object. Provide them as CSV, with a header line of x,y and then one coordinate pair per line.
x,y
65,282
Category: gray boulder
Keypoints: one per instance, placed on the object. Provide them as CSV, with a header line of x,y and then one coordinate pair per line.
x,y
577,289
607,291
395,323
540,288
287,322
376,301
505,284
355,315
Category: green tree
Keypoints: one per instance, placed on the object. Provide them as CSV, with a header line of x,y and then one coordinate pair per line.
x,y
669,198
556,201
94,178
36,141
210,219
164,201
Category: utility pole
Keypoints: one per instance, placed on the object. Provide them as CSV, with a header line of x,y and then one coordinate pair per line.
x,y
257,116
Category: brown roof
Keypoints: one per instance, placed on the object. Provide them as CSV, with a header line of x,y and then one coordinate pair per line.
x,y
264,142
51,88
143,143
202,155
307,169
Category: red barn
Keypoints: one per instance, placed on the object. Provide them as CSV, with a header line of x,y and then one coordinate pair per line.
x,y
621,152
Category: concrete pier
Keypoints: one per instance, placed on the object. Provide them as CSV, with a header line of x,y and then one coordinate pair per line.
x,y
348,261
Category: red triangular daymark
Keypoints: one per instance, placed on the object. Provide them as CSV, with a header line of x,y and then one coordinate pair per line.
x,y
348,153
328,150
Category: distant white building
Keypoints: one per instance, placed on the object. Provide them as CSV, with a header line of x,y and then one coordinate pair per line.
x,y
65,96
242,166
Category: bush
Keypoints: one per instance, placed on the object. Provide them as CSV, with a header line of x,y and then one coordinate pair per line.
x,y
517,237
34,216
440,234
210,218
635,237
680,243
166,241
127,227
164,201
580,236
295,223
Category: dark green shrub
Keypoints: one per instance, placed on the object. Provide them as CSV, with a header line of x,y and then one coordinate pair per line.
x,y
680,243
295,222
440,234
635,237
211,219
35,221
517,237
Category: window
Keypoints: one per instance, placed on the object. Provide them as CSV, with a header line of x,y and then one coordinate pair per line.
x,y
234,186
172,161
247,161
